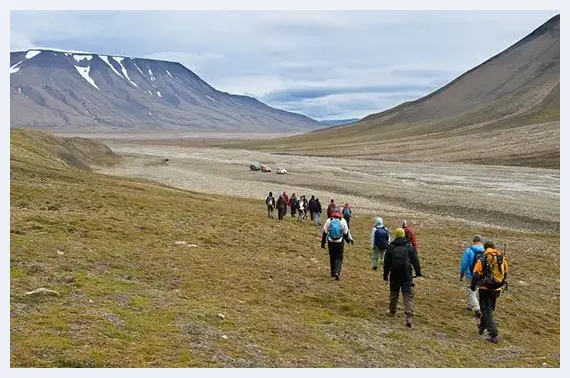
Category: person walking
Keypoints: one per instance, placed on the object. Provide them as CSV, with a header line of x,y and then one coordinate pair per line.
x,y
336,233
347,213
318,212
379,241
331,208
293,203
281,207
312,208
301,209
270,203
398,262
470,257
410,234
490,274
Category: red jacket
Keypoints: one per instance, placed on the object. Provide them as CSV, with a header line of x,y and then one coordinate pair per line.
x,y
286,198
411,235
330,209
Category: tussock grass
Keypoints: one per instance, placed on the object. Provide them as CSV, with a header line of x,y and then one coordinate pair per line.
x,y
130,297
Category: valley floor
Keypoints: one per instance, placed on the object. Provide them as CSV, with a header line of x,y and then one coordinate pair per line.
x,y
516,198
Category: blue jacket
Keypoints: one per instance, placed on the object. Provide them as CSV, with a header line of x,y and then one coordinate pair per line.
x,y
467,259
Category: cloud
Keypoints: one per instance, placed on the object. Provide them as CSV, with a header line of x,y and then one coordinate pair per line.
x,y
296,94
320,63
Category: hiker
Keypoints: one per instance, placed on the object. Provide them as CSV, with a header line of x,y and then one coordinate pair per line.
x,y
301,208
293,202
312,207
410,234
270,203
379,241
318,212
306,206
331,208
399,259
470,257
286,198
336,232
490,274
281,207
347,213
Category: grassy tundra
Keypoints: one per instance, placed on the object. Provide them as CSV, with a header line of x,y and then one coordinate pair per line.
x,y
130,296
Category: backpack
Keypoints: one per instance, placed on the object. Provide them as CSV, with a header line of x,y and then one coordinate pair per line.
x,y
400,259
346,212
494,270
335,229
476,258
381,237
270,202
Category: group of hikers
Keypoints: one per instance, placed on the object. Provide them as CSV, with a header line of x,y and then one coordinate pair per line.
x,y
482,262
301,208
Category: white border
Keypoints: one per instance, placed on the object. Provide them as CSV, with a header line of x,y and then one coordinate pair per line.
x,y
273,5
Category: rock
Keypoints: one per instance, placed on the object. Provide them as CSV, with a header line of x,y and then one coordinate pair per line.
x,y
42,291
113,318
522,283
221,316
180,242
314,260
224,337
544,364
60,252
192,245
240,301
91,301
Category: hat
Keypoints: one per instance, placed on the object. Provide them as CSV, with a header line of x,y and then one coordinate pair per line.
x,y
404,223
489,244
400,233
379,222
477,239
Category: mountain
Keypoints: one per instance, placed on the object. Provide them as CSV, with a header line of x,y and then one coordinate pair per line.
x,y
68,90
337,122
504,111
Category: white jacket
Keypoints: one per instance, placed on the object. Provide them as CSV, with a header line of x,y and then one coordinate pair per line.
x,y
344,227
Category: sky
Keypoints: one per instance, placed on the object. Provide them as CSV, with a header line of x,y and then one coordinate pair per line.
x,y
324,64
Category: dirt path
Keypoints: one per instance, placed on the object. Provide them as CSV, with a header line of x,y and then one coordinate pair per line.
x,y
506,197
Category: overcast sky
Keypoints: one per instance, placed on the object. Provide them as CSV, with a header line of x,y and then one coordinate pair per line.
x,y
327,65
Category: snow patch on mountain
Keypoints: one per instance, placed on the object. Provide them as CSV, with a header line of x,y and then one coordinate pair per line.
x,y
15,68
80,58
31,53
158,93
124,70
106,60
84,72
169,73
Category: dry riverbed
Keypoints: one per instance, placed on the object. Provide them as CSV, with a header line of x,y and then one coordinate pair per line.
x,y
506,197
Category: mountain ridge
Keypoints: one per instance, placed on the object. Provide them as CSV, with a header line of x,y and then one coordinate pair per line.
x,y
60,91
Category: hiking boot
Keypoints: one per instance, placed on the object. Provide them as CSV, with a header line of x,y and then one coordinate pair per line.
x,y
408,321
493,339
478,314
391,313
481,330
375,267
336,276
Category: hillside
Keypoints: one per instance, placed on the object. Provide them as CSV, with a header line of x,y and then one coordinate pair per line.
x,y
511,103
58,90
129,296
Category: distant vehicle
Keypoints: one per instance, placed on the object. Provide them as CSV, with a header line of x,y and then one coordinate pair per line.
x,y
281,171
265,168
255,167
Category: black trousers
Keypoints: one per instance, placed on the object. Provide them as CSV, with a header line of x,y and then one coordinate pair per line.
x,y
347,221
336,252
487,300
280,213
